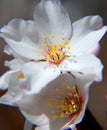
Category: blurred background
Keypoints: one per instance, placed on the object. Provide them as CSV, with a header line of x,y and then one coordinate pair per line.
x,y
10,118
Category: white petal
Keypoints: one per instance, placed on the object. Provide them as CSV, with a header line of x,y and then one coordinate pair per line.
x,y
14,92
95,50
14,85
41,121
25,50
27,125
6,78
13,29
84,66
17,35
39,74
8,50
18,28
14,64
43,127
87,32
33,106
11,97
17,57
52,19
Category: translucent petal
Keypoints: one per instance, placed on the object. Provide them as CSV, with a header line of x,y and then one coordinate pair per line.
x,y
41,121
6,78
11,97
20,59
39,74
14,64
84,66
15,87
19,36
52,19
87,32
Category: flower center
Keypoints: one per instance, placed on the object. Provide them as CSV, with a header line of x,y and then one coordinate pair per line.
x,y
53,53
66,102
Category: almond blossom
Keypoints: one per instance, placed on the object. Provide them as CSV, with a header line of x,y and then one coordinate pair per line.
x,y
59,105
45,49
50,45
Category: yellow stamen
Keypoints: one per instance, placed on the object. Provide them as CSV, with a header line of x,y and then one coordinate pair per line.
x,y
67,102
38,54
55,117
54,53
49,104
57,89
63,38
42,51
20,76
69,47
53,112
65,84
68,41
52,36
62,115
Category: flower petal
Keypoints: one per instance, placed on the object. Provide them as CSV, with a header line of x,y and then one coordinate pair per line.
x,y
27,125
18,35
87,32
6,78
42,127
14,64
42,121
11,97
52,19
15,87
95,50
39,74
32,106
84,66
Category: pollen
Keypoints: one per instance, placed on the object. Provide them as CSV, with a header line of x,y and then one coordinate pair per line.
x,y
53,112
63,38
52,36
66,103
42,51
20,76
68,41
38,54
57,89
69,47
49,104
55,117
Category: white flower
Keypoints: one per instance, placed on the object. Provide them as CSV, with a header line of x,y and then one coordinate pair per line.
x,y
50,46
46,49
61,104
